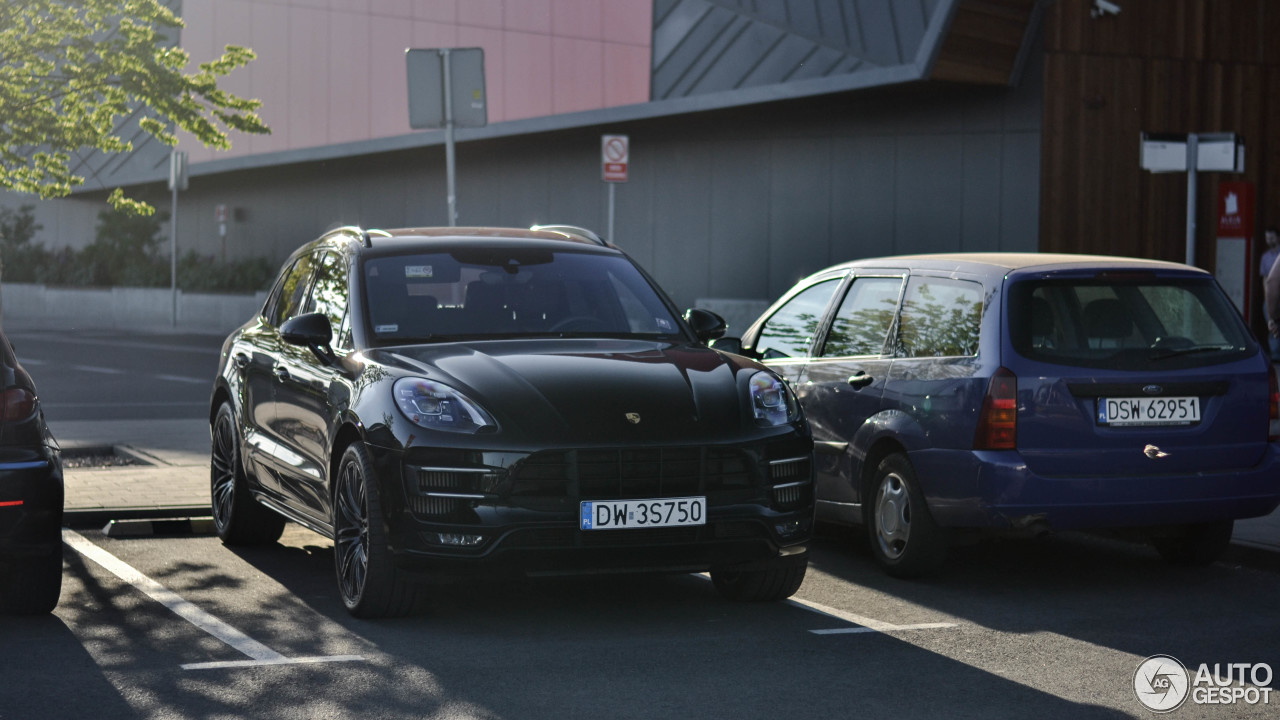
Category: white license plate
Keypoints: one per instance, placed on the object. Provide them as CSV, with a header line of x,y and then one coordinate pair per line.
x,y
625,514
1149,411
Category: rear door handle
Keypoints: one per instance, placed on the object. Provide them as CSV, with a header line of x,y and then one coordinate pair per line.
x,y
860,380
282,373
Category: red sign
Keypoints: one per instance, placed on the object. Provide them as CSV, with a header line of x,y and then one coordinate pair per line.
x,y
1235,209
614,155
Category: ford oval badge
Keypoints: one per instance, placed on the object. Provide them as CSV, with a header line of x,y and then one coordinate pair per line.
x,y
1152,389
633,418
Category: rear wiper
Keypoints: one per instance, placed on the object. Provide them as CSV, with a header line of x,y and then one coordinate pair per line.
x,y
1192,351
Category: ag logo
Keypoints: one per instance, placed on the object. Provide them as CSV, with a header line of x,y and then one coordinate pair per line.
x,y
1161,683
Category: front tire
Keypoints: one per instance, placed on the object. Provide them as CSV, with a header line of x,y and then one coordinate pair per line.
x,y
905,540
1195,545
370,584
777,581
238,518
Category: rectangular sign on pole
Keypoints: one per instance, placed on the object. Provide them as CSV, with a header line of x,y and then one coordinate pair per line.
x,y
425,70
614,157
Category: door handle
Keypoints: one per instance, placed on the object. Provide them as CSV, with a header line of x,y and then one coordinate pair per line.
x,y
241,360
282,373
860,380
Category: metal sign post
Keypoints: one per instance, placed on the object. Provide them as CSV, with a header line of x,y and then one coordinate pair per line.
x,y
446,90
177,181
1192,153
615,156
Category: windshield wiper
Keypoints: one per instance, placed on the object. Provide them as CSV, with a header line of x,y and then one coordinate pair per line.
x,y
1193,350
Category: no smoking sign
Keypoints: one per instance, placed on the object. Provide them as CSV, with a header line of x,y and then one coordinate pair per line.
x,y
614,155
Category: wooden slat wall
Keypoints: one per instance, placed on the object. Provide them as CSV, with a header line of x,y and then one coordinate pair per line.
x,y
982,43
1173,66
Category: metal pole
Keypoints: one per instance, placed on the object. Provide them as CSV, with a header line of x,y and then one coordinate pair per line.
x,y
173,255
448,137
609,237
1193,155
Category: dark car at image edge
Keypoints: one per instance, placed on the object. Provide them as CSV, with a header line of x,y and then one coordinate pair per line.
x,y
31,496
447,401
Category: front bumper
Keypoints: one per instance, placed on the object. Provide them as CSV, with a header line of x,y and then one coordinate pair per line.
x,y
996,489
472,511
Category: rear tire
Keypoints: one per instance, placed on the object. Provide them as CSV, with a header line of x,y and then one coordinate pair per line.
x,y
31,585
778,581
1195,545
238,518
905,540
370,584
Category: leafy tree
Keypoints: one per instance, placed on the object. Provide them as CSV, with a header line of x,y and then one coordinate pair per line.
x,y
70,69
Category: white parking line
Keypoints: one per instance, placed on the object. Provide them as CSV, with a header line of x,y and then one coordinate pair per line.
x,y
868,624
258,653
180,378
96,369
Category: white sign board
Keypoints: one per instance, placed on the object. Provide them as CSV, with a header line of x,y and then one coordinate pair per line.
x,y
425,70
615,154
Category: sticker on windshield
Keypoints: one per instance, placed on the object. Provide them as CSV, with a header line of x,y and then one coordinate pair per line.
x,y
385,328
663,323
418,271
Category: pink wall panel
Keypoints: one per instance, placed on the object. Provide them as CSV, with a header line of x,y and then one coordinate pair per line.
x,y
531,16
332,71
309,89
627,21
578,75
349,70
626,68
576,19
270,78
441,11
388,83
525,82
481,13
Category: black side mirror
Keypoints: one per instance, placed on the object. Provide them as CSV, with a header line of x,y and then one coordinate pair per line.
x,y
728,344
706,325
310,330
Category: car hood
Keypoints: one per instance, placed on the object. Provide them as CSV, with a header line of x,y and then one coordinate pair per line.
x,y
591,391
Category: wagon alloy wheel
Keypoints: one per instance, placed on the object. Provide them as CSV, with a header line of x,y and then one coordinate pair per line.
x,y
369,582
893,516
904,538
238,518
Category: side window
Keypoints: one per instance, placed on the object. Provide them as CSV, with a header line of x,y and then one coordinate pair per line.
x,y
293,292
940,318
329,294
789,331
862,324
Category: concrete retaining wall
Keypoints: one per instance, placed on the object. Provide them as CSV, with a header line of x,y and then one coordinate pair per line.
x,y
30,305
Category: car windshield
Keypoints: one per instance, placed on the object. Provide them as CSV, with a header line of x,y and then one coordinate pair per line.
x,y
504,292
1126,323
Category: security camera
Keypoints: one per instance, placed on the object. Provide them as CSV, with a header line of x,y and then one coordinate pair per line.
x,y
1102,7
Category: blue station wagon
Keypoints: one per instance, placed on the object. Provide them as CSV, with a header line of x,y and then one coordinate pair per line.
x,y
1027,392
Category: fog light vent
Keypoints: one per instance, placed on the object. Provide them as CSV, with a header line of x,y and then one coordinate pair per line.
x,y
459,539
796,468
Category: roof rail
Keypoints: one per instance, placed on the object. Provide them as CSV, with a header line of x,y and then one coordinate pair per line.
x,y
572,230
366,236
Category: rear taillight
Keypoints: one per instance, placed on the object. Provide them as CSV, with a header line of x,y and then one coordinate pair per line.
x,y
16,404
1273,434
998,423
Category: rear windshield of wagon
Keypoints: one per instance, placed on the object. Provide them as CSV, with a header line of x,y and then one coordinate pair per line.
x,y
1132,322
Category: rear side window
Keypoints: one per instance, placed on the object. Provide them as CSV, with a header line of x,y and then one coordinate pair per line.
x,y
1132,323
862,323
940,318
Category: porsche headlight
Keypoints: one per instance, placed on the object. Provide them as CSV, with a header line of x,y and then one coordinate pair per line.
x,y
772,403
437,406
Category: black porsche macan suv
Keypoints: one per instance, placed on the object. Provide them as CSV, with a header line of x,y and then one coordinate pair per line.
x,y
441,401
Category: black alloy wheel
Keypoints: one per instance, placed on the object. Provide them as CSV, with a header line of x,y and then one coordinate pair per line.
x,y
238,518
368,581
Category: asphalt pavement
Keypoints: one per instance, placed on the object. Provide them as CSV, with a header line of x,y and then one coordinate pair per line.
x,y
175,481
